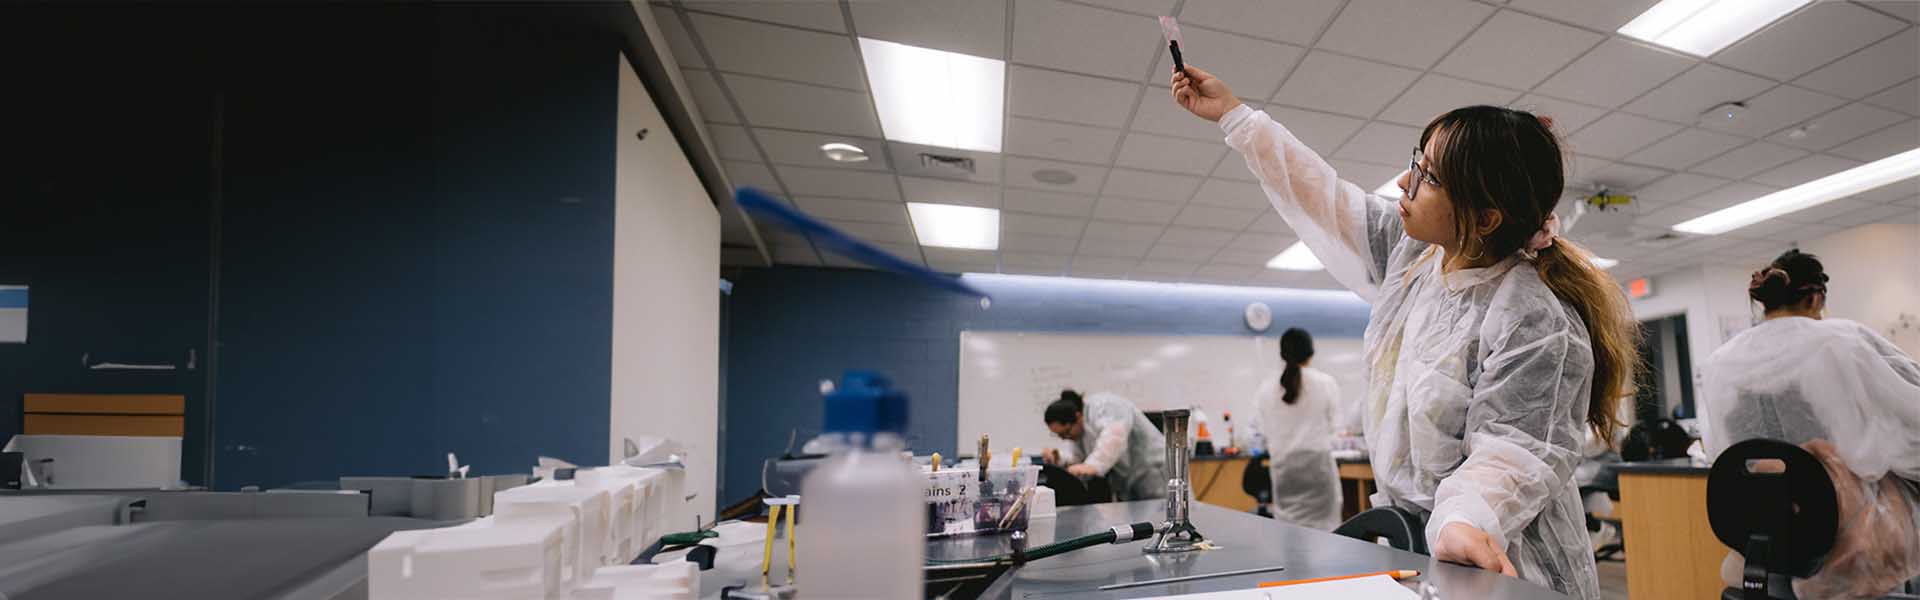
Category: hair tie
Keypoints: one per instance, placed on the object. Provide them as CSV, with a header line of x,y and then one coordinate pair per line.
x,y
1760,277
1543,238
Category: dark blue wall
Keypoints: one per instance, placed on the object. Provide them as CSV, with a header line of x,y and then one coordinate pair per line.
x,y
790,327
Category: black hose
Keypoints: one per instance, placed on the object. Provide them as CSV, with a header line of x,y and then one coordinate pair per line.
x,y
1136,531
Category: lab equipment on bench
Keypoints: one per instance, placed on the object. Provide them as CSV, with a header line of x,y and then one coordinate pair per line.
x,y
866,514
1178,534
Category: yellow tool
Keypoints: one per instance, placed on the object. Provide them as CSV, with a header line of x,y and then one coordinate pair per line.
x,y
793,572
1016,457
766,556
936,461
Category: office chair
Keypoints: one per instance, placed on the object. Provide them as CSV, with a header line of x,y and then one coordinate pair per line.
x,y
1401,529
1257,482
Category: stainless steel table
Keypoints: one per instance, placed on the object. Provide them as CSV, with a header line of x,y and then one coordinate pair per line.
x,y
1247,541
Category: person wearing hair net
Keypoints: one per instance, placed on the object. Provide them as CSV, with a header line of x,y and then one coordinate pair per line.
x,y
1116,440
1492,344
1844,393
1296,417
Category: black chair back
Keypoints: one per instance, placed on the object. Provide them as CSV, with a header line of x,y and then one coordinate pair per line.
x,y
1400,528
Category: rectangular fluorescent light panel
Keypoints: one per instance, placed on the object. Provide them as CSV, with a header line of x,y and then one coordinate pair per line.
x,y
1604,263
1296,258
1852,181
953,226
1703,27
936,98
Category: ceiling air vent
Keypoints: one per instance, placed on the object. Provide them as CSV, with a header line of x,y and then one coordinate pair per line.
x,y
951,166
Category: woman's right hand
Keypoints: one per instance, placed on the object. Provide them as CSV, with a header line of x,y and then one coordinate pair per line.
x,y
1203,94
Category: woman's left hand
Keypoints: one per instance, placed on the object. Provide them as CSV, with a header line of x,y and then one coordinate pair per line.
x,y
1468,545
1083,470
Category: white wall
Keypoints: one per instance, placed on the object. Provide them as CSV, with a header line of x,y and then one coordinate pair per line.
x,y
666,295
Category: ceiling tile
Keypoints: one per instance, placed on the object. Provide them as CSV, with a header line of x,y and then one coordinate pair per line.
x,y
1029,242
1905,9
805,107
944,191
876,232
872,211
803,148
1597,16
1222,274
1488,55
1165,251
1253,67
1195,215
1687,148
1568,117
1749,160
1832,209
1344,85
841,183
1068,97
1874,213
975,28
1779,108
732,142
1807,39
1381,143
1678,187
1904,98
1165,188
1060,141
1412,33
1672,215
1135,211
1130,232
1776,235
1616,135
1048,203
1695,91
1072,37
1901,192
1623,176
738,46
1237,256
1367,176
1322,132
1270,223
1296,21
1887,142
813,15
1233,166
1164,268
1582,167
951,260
795,255
1883,64
1101,267
1190,236
1730,195
1270,243
778,237
1041,271
1169,154
1434,95
1159,114
707,96
751,174
1114,248
1151,8
1035,260
1013,222
1020,174
1843,124
679,42
1231,194
1614,72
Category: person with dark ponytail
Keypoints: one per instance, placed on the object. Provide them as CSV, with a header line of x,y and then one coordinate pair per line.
x,y
1114,439
1297,420
1845,393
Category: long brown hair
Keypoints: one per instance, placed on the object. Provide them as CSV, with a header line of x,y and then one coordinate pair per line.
x,y
1510,161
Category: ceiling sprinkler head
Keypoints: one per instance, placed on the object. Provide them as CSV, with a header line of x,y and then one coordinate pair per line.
x,y
1725,112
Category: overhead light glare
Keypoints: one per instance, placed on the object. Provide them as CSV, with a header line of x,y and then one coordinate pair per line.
x,y
954,226
1703,27
1604,263
936,98
842,152
1885,171
1296,258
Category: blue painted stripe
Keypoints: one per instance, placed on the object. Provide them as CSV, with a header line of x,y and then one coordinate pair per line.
x,y
13,297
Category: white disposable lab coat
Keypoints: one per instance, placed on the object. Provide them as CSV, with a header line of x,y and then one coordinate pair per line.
x,y
1306,483
1478,380
1121,443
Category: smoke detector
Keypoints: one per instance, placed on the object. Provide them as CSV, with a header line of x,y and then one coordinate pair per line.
x,y
1725,113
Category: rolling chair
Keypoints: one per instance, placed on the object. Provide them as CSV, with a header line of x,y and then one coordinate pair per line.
x,y
1257,482
1398,527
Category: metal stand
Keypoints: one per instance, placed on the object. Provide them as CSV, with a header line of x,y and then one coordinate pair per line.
x,y
1178,533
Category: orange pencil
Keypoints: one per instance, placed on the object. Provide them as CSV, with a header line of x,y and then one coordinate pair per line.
x,y
1398,574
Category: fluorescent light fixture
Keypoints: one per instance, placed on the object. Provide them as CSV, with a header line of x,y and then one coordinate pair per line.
x,y
1296,258
844,152
953,226
1604,263
936,98
1703,27
1807,195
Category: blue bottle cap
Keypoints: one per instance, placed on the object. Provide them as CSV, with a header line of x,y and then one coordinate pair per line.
x,y
865,402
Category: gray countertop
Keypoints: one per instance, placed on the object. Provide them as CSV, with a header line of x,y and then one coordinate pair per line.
x,y
1672,466
1246,541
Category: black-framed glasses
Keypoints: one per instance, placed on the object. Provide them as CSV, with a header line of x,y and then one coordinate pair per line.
x,y
1420,174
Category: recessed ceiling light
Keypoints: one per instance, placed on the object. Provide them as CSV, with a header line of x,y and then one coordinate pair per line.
x,y
1898,167
1296,258
1055,176
1604,263
954,226
1703,27
846,153
936,98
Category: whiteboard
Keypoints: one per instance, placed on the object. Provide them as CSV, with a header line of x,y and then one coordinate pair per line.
x,y
1008,378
